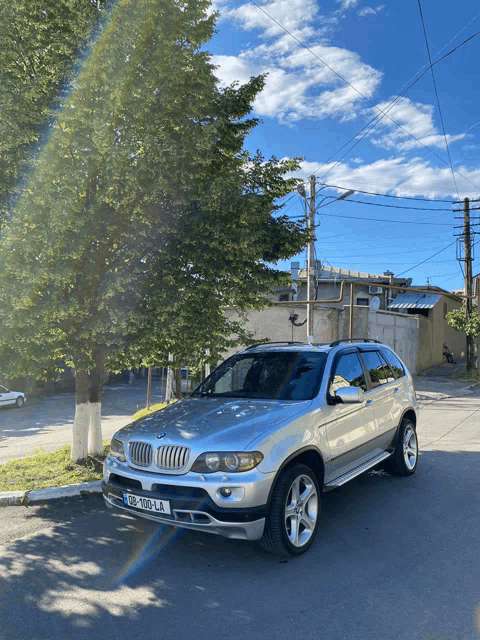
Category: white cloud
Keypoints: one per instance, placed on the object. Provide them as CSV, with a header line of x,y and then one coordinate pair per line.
x,y
294,15
370,11
398,176
299,84
414,117
347,4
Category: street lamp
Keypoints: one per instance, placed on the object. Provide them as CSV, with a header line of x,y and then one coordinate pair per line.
x,y
311,244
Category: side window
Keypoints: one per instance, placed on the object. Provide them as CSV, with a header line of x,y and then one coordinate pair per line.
x,y
348,373
387,369
394,362
378,370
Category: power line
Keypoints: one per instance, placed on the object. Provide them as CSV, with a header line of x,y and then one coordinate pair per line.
x,y
426,260
333,215
380,117
387,195
437,96
388,206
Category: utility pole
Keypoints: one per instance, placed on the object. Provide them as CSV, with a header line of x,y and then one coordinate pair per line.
x,y
467,243
310,250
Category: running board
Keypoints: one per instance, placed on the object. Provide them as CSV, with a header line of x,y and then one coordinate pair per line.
x,y
337,482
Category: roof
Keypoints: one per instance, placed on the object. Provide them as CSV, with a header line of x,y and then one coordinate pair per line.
x,y
415,301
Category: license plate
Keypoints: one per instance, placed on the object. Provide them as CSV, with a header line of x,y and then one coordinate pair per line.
x,y
160,507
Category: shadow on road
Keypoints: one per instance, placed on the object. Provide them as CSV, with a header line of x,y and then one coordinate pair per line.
x,y
387,546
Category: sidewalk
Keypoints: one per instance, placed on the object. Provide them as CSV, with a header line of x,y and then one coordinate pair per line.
x,y
436,382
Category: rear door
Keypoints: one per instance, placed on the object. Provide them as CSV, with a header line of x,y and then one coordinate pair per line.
x,y
382,394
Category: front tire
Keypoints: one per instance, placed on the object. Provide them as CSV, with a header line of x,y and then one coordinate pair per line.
x,y
292,521
405,457
19,402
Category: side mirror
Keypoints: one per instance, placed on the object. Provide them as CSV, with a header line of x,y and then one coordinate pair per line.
x,y
349,395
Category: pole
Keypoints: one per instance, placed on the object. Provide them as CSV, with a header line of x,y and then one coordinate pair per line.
x,y
310,250
350,327
149,386
468,276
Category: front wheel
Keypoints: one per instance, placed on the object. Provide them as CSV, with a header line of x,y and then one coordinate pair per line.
x,y
292,521
19,402
405,457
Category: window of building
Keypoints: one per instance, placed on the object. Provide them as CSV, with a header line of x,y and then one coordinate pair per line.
x,y
363,302
284,297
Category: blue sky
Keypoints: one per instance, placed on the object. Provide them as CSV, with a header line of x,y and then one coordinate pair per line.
x,y
307,110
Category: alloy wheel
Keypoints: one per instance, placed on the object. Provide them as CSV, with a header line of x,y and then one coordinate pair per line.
x,y
410,448
301,510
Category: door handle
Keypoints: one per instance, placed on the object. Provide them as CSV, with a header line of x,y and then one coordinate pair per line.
x,y
369,403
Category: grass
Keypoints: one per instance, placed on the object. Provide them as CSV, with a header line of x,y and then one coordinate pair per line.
x,y
54,469
141,413
50,469
468,376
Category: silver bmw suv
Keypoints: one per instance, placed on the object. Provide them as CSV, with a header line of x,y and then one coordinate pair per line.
x,y
251,451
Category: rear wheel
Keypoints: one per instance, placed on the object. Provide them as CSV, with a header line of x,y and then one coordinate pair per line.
x,y
292,521
405,457
19,402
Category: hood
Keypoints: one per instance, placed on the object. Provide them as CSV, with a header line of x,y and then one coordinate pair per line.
x,y
214,421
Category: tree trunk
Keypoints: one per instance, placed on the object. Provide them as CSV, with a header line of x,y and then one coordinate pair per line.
x,y
95,444
178,383
82,416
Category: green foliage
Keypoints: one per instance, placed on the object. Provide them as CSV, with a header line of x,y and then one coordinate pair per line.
x,y
39,42
143,218
466,323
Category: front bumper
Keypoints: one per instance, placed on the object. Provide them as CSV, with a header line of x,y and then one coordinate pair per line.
x,y
192,509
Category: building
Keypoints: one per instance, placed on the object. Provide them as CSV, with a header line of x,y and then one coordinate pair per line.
x,y
412,323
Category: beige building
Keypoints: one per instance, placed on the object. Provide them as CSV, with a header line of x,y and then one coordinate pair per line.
x,y
413,324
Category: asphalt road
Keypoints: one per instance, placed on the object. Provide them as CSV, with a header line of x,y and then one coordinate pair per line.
x,y
46,423
395,559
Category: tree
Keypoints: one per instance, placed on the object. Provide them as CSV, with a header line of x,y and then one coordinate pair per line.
x,y
460,320
40,43
141,188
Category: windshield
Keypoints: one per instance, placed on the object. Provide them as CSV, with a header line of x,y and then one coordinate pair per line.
x,y
277,375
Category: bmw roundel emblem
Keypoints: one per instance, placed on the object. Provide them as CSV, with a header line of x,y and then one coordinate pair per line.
x,y
161,435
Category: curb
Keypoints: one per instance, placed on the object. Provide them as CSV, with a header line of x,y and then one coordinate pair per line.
x,y
12,498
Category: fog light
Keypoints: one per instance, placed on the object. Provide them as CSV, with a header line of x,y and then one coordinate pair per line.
x,y
225,492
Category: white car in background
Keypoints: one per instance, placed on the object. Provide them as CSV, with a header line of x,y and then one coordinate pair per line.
x,y
7,397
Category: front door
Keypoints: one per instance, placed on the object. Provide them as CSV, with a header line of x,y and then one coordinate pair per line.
x,y
350,428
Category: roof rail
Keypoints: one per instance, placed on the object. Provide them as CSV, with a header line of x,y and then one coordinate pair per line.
x,y
261,344
337,342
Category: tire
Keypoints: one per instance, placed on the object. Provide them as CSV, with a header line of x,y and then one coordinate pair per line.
x,y
19,402
292,520
404,460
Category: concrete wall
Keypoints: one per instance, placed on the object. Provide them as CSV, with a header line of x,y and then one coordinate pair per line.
x,y
417,340
399,331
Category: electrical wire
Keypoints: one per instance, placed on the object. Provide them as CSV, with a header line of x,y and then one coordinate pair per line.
x,y
437,96
387,195
437,224
388,206
426,260
378,118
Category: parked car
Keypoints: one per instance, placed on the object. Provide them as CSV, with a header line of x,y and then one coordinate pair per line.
x,y
7,397
250,453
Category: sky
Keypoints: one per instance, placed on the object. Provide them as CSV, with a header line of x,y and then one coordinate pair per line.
x,y
333,67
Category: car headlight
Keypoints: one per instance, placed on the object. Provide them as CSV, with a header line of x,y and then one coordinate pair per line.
x,y
231,461
117,450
